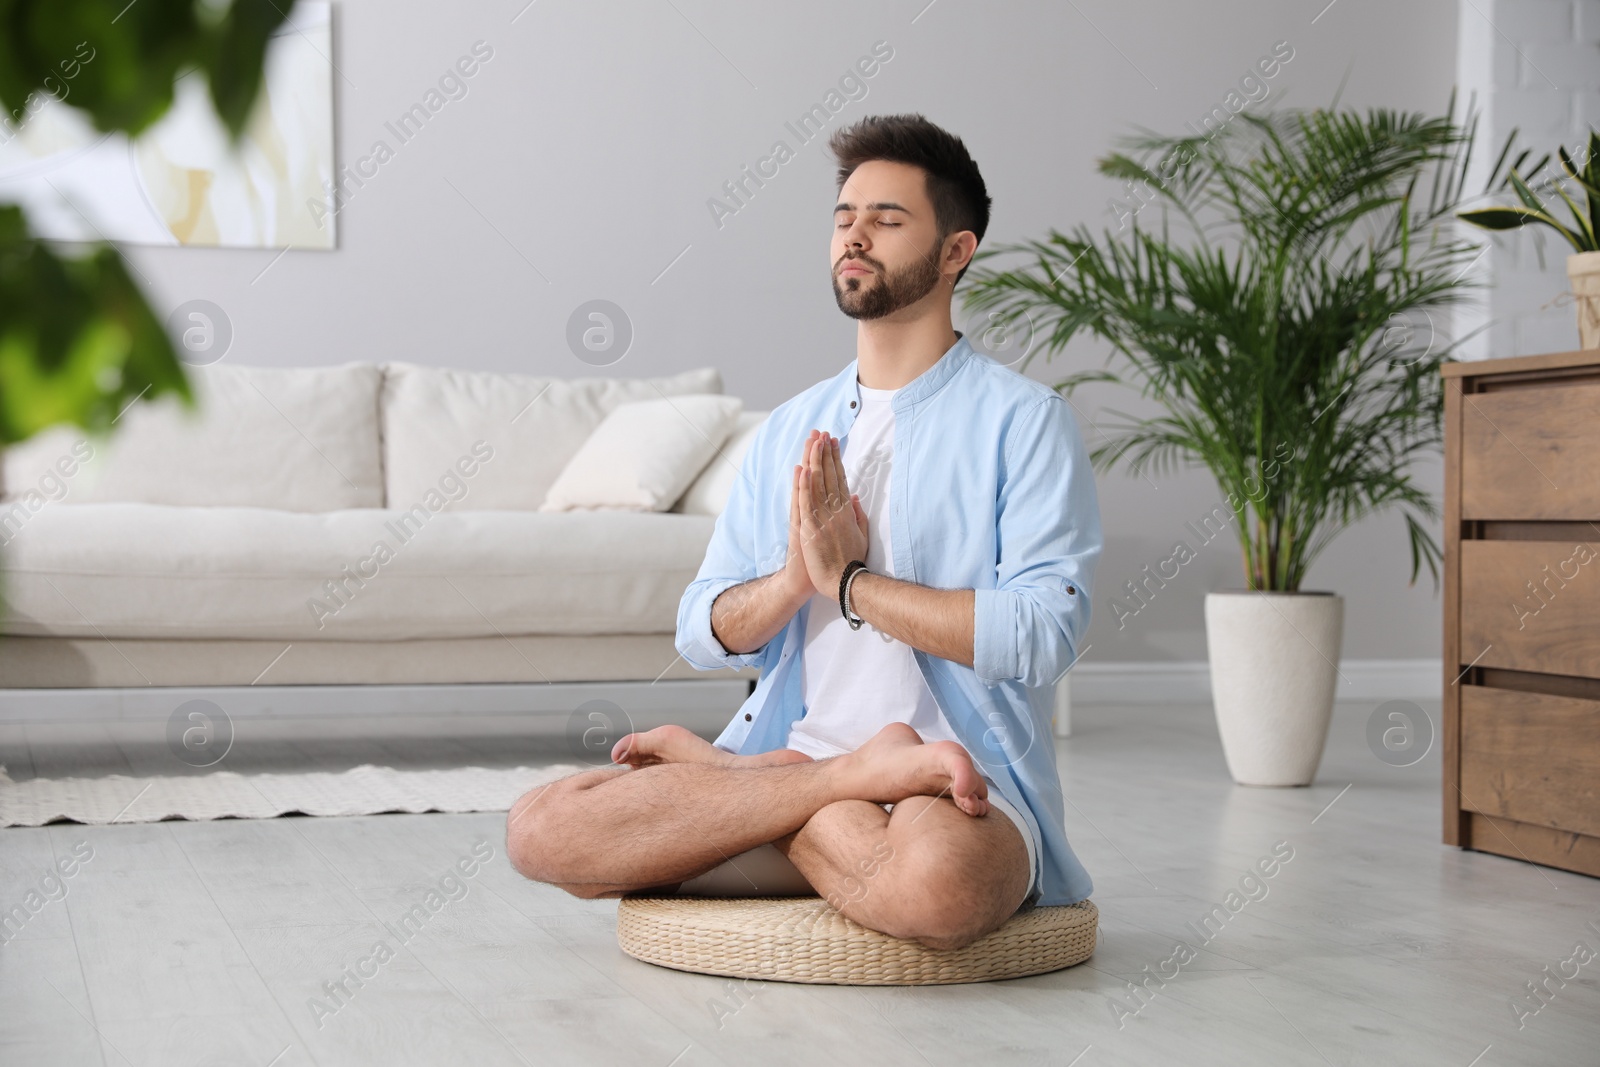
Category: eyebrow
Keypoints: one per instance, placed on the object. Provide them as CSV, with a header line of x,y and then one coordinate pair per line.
x,y
883,206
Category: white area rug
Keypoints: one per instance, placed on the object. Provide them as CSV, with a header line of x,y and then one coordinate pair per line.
x,y
364,790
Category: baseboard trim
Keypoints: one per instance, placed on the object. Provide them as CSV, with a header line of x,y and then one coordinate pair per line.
x,y
1138,682
533,706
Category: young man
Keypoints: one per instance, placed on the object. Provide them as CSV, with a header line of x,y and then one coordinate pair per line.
x,y
899,760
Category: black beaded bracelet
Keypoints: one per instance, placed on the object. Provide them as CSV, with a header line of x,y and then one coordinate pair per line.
x,y
844,583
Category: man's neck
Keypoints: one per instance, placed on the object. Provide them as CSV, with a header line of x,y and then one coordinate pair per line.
x,y
892,354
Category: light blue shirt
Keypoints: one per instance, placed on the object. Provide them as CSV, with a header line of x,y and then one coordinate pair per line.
x,y
992,491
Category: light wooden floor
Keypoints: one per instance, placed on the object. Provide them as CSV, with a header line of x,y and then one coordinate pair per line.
x,y
206,943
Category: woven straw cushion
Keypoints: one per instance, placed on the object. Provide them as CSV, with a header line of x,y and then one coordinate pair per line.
x,y
803,939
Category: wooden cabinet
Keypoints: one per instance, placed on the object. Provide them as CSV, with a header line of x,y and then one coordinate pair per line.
x,y
1522,608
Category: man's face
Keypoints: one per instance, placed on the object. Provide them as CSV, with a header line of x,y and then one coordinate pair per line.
x,y
886,246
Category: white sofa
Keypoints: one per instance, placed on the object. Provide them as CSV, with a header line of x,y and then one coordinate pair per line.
x,y
193,551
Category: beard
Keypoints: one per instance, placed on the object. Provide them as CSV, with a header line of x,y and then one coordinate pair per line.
x,y
893,291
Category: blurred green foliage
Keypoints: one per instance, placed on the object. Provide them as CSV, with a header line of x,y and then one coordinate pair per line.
x,y
78,340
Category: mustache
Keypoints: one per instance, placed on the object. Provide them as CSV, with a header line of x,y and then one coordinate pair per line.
x,y
868,260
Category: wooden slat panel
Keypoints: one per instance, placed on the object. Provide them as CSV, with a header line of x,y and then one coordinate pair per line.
x,y
1535,844
1554,628
1531,758
1531,453
1520,365
1456,828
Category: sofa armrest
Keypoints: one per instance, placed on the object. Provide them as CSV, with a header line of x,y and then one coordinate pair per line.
x,y
708,493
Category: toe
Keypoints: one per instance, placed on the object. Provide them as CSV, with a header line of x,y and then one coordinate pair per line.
x,y
634,749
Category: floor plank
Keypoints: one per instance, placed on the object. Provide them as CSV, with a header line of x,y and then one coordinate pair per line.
x,y
213,942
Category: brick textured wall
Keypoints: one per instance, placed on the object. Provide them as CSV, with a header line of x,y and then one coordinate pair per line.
x,y
1534,65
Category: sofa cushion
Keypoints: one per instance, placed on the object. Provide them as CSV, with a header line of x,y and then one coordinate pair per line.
x,y
709,493
432,416
144,570
298,439
645,454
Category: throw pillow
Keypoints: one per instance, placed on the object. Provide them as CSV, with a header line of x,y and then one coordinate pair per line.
x,y
645,454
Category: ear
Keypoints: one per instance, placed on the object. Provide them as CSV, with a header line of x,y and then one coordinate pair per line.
x,y
959,248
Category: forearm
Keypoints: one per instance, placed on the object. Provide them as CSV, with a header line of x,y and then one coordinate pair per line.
x,y
938,621
745,617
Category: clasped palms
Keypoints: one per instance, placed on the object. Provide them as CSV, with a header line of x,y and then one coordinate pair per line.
x,y
827,525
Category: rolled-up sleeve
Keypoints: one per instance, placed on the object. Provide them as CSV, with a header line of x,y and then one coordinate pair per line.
x,y
730,560
1030,627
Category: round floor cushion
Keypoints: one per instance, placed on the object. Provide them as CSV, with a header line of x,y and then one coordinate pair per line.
x,y
803,939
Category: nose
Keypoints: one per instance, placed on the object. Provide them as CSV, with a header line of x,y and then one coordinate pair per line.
x,y
853,237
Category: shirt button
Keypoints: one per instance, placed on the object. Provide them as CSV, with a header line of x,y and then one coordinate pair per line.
x,y
747,716
1071,591
852,403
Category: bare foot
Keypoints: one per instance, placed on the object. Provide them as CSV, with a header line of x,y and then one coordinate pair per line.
x,y
675,744
896,764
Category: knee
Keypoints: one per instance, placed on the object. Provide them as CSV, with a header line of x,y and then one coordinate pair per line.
x,y
529,842
933,906
540,844
941,921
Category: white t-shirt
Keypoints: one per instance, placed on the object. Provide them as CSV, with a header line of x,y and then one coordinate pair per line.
x,y
855,682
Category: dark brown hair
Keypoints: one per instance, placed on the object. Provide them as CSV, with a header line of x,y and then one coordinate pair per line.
x,y
960,199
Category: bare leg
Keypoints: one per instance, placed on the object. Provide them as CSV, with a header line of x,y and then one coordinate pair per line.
x,y
927,871
675,744
612,830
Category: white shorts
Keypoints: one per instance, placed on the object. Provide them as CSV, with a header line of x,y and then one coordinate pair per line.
x,y
765,871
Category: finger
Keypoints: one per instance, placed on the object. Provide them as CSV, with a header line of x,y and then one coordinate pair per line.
x,y
844,477
805,448
839,472
805,500
830,472
792,547
798,516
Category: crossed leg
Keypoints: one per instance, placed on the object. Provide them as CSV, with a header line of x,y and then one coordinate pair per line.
x,y
926,871
941,869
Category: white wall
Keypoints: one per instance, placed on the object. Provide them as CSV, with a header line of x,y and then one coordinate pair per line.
x,y
580,164
1535,65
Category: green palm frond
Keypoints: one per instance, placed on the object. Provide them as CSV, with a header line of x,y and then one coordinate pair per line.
x,y
1296,320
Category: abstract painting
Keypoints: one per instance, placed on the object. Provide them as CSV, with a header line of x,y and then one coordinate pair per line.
x,y
180,183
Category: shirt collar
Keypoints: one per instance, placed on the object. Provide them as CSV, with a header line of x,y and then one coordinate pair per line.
x,y
846,390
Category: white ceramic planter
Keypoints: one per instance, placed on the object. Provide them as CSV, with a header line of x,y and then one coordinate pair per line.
x,y
1274,661
1583,272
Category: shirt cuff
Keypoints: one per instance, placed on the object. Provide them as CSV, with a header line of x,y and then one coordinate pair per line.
x,y
704,638
994,635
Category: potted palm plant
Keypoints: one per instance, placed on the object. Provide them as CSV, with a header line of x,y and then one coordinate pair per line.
x,y
1288,340
1583,266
